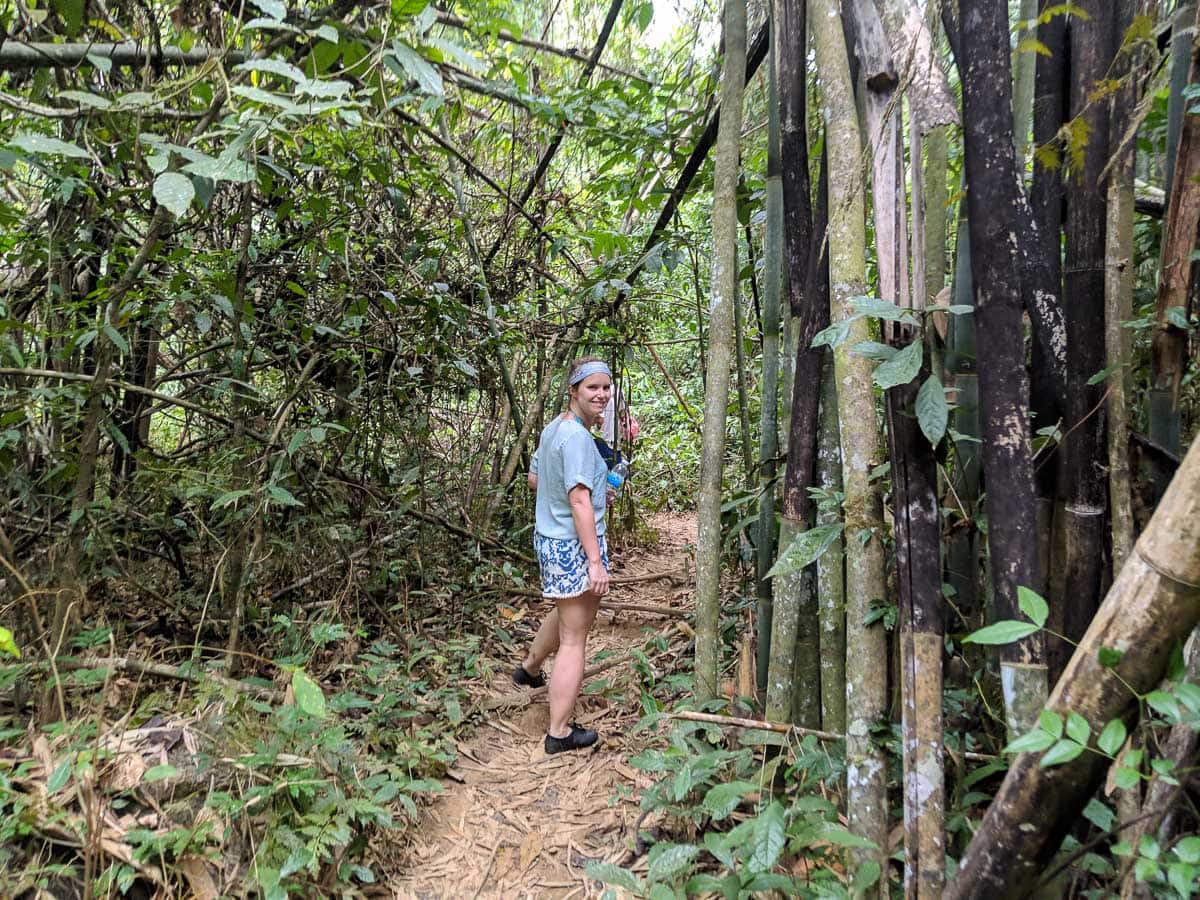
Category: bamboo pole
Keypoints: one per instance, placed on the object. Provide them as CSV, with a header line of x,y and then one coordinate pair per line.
x,y
1154,602
15,55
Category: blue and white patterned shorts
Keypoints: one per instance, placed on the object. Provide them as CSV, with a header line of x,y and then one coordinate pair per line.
x,y
564,565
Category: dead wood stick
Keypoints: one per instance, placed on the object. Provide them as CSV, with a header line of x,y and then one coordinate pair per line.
x,y
655,608
162,670
758,724
521,698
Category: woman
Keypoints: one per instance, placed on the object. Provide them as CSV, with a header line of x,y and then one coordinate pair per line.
x,y
570,477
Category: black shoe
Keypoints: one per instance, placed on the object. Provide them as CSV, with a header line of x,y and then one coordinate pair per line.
x,y
576,740
521,677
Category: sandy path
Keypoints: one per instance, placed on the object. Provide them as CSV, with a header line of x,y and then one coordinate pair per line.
x,y
514,822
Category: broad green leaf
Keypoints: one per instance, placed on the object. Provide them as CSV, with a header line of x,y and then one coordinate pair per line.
x,y
1112,737
309,697
1189,695
1165,704
116,337
282,496
59,777
174,191
1001,633
1177,316
85,98
316,87
610,873
769,838
833,335
671,861
258,95
459,54
873,350
273,8
1126,778
224,168
715,843
865,876
1188,849
1062,752
901,368
326,33
1078,728
876,308
273,67
1051,721
1109,656
426,75
8,645
839,835
1182,877
47,146
723,799
805,549
1099,815
160,772
1034,742
932,411
228,497
1032,605
297,860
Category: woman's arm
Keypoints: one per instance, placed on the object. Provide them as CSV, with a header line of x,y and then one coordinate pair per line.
x,y
583,515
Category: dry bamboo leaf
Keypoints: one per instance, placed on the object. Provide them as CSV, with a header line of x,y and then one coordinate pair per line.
x,y
195,871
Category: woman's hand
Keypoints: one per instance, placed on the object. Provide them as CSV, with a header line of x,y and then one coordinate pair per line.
x,y
597,578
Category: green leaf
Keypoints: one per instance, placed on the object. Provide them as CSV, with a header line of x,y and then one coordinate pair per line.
x,y
769,838
282,496
273,8
723,799
805,549
901,368
610,873
227,498
1004,632
865,876
1126,778
1188,849
671,861
1177,316
716,844
59,777
225,168
876,308
873,350
309,697
1051,721
160,772
47,146
1109,656
174,191
1032,605
427,77
1034,742
1078,728
1062,752
833,335
297,860
1181,876
1099,815
932,411
85,98
1112,737
839,835
1189,695
1165,704
273,67
8,645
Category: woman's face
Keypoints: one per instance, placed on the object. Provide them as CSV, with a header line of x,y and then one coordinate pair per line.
x,y
593,392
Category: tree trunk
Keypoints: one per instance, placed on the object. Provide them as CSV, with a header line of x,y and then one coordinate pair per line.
x,y
1118,304
793,678
768,445
993,203
1154,602
1168,352
1091,50
1024,67
866,646
831,567
716,388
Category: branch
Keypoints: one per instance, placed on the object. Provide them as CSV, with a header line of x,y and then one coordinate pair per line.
x,y
20,55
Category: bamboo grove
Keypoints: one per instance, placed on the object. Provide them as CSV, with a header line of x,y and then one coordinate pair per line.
x,y
904,293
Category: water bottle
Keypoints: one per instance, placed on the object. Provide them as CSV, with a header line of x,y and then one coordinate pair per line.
x,y
617,475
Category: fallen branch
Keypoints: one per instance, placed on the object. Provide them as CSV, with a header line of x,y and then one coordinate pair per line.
x,y
162,670
778,728
655,608
522,698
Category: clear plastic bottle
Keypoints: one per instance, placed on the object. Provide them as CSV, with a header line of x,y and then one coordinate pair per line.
x,y
618,474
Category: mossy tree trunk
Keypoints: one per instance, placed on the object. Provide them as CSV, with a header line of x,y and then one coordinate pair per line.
x,y
720,339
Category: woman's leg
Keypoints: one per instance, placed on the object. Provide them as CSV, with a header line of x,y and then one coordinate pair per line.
x,y
575,617
544,643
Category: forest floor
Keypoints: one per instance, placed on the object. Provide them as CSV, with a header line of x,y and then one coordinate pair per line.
x,y
514,822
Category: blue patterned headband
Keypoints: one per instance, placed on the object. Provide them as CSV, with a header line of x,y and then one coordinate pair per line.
x,y
590,368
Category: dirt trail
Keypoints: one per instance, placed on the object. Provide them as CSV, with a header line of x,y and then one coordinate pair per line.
x,y
514,822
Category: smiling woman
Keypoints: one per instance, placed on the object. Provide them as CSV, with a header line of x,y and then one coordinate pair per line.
x,y
569,537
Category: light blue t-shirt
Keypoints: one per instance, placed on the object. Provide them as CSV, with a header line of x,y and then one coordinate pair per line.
x,y
565,457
